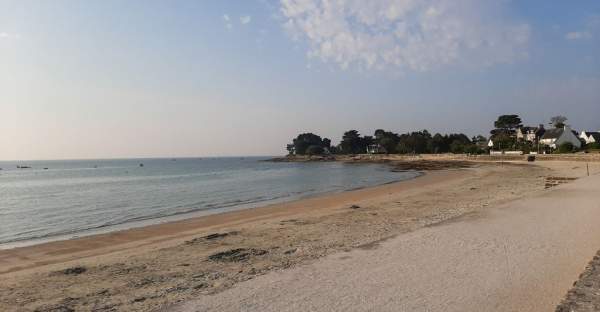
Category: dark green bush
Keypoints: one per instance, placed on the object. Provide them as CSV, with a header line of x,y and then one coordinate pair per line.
x,y
593,146
566,147
315,150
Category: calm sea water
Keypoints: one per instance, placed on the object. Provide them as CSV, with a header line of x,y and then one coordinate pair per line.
x,y
79,197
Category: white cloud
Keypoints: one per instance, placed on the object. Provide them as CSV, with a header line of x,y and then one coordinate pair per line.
x,y
245,19
406,34
227,20
577,35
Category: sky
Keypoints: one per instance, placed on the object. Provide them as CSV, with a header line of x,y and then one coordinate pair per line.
x,y
143,78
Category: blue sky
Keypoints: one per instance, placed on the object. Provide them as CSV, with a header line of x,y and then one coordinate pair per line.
x,y
96,79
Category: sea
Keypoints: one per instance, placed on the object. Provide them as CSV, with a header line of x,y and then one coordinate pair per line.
x,y
43,201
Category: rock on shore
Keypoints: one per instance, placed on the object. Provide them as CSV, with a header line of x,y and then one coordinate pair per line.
x,y
585,294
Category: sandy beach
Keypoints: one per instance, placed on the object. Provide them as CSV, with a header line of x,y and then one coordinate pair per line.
x,y
519,256
159,266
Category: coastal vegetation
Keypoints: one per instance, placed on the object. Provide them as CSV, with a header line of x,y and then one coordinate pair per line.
x,y
508,134
308,144
382,141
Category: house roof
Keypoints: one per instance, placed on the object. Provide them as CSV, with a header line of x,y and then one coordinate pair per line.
x,y
538,131
591,133
553,133
527,129
595,135
556,133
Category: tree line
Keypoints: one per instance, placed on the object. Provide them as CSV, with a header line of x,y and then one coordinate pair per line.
x,y
503,135
382,141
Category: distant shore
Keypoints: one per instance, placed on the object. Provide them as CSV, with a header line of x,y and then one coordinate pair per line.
x,y
586,157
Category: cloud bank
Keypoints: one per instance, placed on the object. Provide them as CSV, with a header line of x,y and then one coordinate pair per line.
x,y
417,35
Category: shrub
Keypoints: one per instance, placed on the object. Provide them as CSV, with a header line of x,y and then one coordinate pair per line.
x,y
402,148
566,147
473,149
315,150
593,146
457,147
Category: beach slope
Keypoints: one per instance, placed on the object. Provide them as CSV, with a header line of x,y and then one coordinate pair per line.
x,y
520,256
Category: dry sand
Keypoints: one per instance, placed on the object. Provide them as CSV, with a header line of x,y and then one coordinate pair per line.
x,y
149,268
520,256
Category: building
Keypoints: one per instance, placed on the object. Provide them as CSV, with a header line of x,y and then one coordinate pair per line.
x,y
590,136
556,137
530,134
376,149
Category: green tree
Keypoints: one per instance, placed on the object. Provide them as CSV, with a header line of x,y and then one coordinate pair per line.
x,y
353,143
414,142
402,148
315,150
379,134
386,139
508,122
303,141
456,147
558,121
503,135
502,140
479,139
438,144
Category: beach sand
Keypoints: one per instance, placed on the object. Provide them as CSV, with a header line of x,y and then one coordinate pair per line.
x,y
157,266
519,256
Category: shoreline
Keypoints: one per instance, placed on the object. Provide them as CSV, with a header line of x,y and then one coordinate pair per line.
x,y
120,240
202,212
155,267
151,221
386,158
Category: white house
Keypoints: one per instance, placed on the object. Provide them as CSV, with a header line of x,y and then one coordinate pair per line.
x,y
376,149
590,136
530,134
555,137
